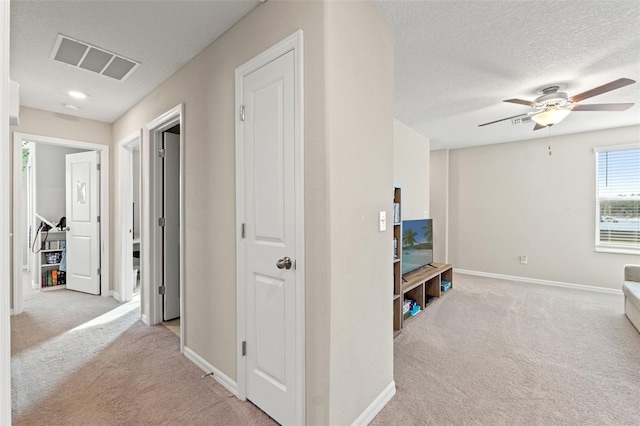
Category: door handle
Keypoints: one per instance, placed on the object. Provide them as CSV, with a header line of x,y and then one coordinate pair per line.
x,y
284,263
66,228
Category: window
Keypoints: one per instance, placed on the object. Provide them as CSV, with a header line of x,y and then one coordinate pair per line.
x,y
618,199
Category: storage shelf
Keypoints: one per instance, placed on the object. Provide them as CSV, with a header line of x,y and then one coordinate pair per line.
x,y
54,287
50,250
50,264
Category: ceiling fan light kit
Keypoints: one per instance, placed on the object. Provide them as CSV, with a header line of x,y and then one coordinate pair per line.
x,y
553,106
551,116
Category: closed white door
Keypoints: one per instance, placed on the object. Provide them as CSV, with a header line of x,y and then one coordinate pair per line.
x,y
83,233
171,230
270,238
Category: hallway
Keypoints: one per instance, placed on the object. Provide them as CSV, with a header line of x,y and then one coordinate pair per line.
x,y
79,359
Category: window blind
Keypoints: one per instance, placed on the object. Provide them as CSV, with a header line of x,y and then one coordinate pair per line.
x,y
618,197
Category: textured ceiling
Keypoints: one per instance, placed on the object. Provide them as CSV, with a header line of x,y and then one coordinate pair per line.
x,y
455,61
161,35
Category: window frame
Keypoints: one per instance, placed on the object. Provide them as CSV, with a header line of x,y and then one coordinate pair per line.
x,y
609,248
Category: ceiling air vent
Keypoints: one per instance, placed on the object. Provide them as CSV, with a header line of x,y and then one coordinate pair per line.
x,y
91,58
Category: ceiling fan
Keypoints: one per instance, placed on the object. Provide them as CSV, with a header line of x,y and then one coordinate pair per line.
x,y
552,106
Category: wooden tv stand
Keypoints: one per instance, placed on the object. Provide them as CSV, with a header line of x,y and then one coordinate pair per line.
x,y
423,286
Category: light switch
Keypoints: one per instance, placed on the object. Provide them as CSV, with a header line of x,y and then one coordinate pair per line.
x,y
382,223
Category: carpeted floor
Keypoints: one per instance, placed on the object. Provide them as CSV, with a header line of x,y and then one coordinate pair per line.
x,y
85,360
489,352
494,352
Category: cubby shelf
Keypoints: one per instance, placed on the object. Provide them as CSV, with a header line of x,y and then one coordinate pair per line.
x,y
423,285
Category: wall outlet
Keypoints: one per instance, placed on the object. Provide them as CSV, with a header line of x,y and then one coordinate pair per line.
x,y
524,260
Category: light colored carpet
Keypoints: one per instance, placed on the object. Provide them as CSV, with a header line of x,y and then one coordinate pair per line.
x,y
86,360
494,352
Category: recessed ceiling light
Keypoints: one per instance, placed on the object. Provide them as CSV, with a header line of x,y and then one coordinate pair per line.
x,y
71,107
77,95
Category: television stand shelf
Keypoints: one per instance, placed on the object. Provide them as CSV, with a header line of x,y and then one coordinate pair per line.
x,y
423,286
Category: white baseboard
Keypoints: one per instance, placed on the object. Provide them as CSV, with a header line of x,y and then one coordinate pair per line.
x,y
540,282
218,375
115,295
378,404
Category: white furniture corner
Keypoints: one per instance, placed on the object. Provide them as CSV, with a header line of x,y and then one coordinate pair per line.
x,y
631,290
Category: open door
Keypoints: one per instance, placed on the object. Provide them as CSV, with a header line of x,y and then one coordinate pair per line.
x,y
171,230
83,231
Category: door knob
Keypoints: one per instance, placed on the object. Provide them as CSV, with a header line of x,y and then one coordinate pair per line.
x,y
284,263
66,228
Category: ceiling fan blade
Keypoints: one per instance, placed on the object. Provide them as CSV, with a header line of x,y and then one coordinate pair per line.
x,y
539,126
502,119
602,107
520,101
616,84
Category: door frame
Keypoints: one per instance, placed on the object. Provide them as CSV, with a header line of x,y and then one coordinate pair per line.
x,y
292,43
124,218
5,214
151,238
18,238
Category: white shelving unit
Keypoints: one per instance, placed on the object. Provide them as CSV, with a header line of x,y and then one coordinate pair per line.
x,y
52,243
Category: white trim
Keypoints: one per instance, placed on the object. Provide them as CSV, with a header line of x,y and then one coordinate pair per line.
x,y
376,406
218,375
103,151
150,255
124,215
617,250
539,282
5,214
295,43
634,145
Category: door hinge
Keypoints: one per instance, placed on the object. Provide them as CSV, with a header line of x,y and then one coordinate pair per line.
x,y
244,348
99,271
162,153
243,230
161,289
161,221
241,112
98,166
98,219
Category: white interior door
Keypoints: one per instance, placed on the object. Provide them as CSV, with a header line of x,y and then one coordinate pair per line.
x,y
270,276
83,232
171,230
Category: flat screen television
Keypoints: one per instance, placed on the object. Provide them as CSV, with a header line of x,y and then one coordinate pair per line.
x,y
417,244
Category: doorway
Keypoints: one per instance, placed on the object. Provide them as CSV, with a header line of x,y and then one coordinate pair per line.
x,y
129,217
163,220
20,230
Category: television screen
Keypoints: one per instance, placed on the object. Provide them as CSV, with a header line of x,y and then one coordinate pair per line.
x,y
417,244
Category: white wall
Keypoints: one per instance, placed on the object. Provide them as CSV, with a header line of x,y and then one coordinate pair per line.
x,y
411,170
514,199
50,176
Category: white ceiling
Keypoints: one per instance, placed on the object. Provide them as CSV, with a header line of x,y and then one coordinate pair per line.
x,y
161,35
455,61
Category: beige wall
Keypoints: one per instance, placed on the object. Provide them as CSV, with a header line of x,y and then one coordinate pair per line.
x,y
360,142
206,87
514,199
336,204
439,203
51,124
411,166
